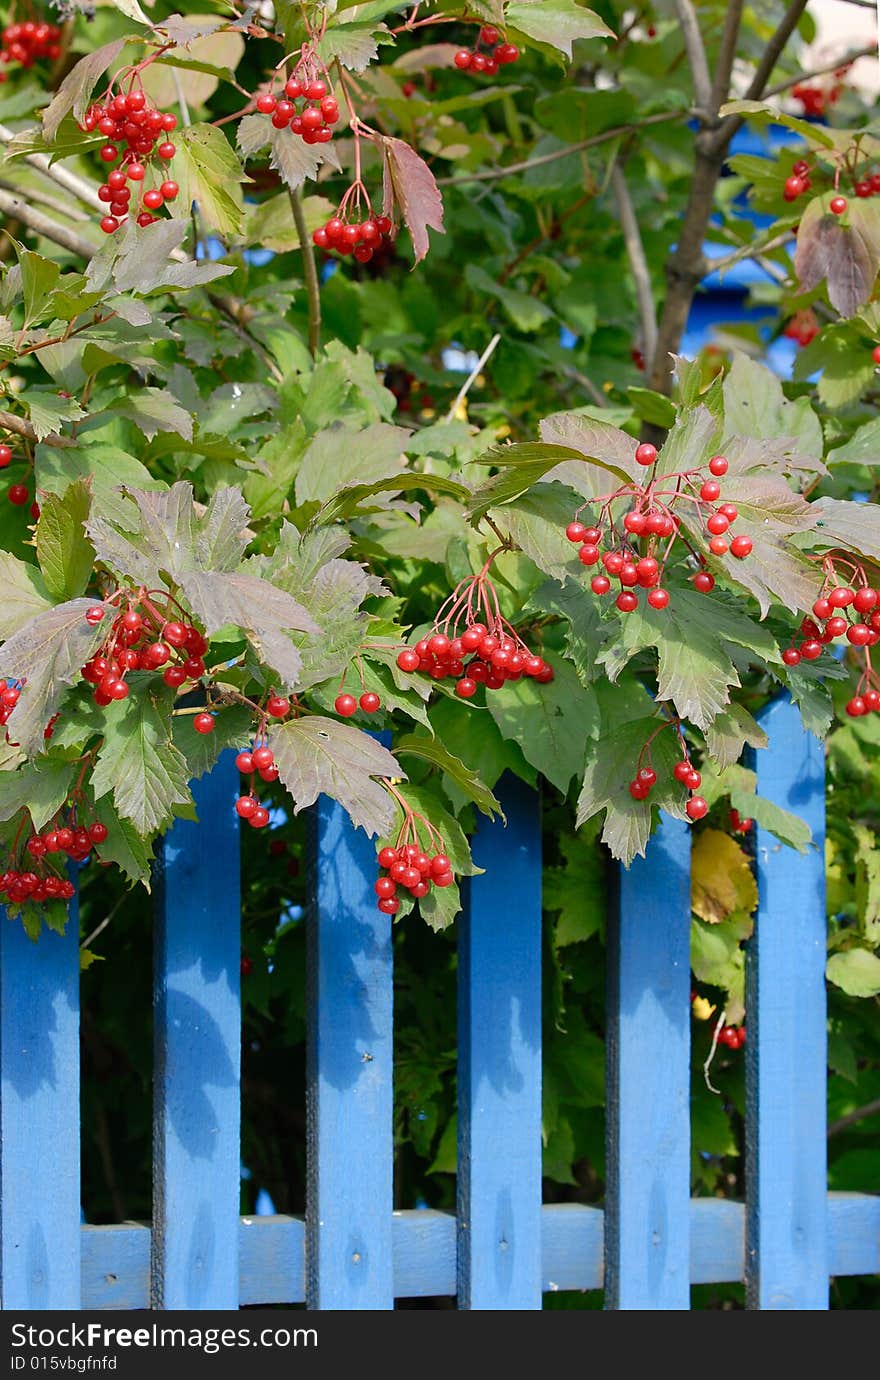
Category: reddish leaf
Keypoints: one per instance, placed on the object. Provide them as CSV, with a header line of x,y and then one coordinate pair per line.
x,y
409,184
846,255
75,91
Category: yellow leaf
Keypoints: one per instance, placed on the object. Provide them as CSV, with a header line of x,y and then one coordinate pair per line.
x,y
721,878
702,1008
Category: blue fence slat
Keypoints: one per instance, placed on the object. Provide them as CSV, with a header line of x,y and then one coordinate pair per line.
x,y
39,1117
786,1221
647,1247
350,1055
197,1046
499,1063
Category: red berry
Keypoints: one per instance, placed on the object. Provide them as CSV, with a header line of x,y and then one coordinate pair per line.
x,y
345,705
369,702
646,454
864,601
203,723
466,688
588,554
165,151
741,547
875,354
173,676
277,707
859,635
837,205
791,656
576,532
857,707
717,524
389,905
264,758
5,456
718,546
811,649
600,584
408,659
260,818
109,224
704,582
658,598
18,495
266,103
626,601
443,879
639,790
169,190
95,614
729,510
710,490
841,596
696,808
718,466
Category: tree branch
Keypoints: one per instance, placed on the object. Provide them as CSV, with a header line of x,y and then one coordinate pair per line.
x,y
860,1114
635,251
764,70
21,210
84,191
726,54
696,53
493,174
821,71
18,425
313,287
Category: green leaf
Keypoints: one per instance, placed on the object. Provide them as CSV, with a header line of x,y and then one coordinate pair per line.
x,y
143,262
38,278
854,525
354,46
762,113
856,972
718,959
47,653
652,407
295,161
526,312
42,786
323,756
74,93
123,844
48,411
155,410
844,366
525,464
468,782
741,786
728,733
694,637
612,763
348,501
342,455
138,763
867,861
232,727
755,406
577,891
209,174
722,883
558,23
551,723
862,448
585,631
24,594
219,597
64,551
604,445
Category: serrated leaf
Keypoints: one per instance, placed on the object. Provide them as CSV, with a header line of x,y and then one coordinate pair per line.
x,y
74,93
693,637
722,882
123,845
41,786
410,186
222,536
263,613
755,406
347,501
845,252
139,765
47,653
854,525
856,972
318,756
38,278
209,174
64,551
862,448
144,264
468,782
583,638
717,958
341,455
354,46
741,785
605,445
526,312
576,890
158,536
845,368
551,723
558,23
233,725
612,763
288,155
24,594
728,733
526,463
155,410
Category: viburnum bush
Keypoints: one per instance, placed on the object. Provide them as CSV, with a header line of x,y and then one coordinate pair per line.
x,y
347,424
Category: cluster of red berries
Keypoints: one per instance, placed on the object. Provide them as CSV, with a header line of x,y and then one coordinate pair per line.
x,y
143,638
314,118
799,182
646,778
483,654
802,327
27,43
359,238
652,517
256,761
409,866
488,53
346,705
74,840
843,612
8,699
733,1036
19,887
816,99
131,119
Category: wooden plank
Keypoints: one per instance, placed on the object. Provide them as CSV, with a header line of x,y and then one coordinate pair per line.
x,y
196,1057
648,1080
499,1062
39,1117
116,1260
350,1058
786,1220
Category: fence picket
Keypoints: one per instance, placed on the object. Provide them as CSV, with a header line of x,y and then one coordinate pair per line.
x,y
350,1053
197,1044
786,1221
39,1117
499,1063
647,1247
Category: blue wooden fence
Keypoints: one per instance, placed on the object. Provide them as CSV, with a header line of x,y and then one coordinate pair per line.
x,y
501,1249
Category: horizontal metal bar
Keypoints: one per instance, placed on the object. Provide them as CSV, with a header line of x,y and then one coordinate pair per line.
x,y
116,1259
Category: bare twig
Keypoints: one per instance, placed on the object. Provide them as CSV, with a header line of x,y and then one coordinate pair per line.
x,y
310,271
493,174
821,71
587,384
696,54
763,71
84,191
41,197
726,53
860,1114
711,1055
474,374
18,425
635,252
41,224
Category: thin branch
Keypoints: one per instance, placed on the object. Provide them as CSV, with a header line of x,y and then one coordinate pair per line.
x,y
310,270
860,1114
474,374
763,72
84,191
231,308
493,174
18,425
635,251
41,225
696,53
726,54
821,71
749,251
45,198
587,384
